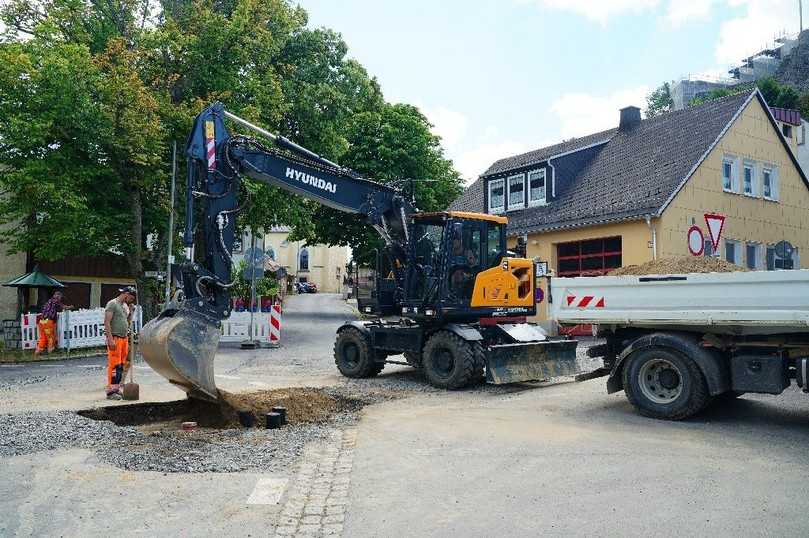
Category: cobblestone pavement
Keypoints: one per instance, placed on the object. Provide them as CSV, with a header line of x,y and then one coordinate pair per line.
x,y
317,501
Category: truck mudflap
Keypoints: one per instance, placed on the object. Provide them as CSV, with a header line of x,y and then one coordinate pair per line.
x,y
531,361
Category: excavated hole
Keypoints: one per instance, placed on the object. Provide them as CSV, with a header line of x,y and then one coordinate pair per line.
x,y
303,405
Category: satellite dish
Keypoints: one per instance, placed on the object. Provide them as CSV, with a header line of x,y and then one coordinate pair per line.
x,y
784,249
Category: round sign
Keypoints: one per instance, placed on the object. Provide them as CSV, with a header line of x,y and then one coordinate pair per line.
x,y
539,295
696,241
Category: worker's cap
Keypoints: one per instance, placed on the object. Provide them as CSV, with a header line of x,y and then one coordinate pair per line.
x,y
130,290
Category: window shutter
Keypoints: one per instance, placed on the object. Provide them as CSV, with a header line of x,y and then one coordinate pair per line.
x,y
734,172
776,185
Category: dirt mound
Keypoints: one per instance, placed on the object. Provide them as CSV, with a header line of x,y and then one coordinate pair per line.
x,y
679,265
303,405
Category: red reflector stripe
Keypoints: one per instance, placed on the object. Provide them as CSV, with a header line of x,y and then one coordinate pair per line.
x,y
585,301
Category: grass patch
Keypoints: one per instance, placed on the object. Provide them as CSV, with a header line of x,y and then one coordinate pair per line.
x,y
14,356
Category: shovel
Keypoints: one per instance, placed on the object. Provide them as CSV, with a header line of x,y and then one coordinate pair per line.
x,y
131,390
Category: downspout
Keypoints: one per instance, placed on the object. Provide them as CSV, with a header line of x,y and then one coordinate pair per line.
x,y
553,181
654,236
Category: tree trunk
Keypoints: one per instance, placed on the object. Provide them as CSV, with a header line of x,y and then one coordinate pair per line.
x,y
134,256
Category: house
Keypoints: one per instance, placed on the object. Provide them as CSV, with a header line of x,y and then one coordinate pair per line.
x,y
321,264
631,194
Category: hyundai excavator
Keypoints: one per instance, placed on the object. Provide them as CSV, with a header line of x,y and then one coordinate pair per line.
x,y
461,298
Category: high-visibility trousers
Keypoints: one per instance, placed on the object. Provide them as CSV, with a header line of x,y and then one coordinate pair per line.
x,y
47,335
116,359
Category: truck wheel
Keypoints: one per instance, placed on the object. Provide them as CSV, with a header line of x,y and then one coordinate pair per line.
x,y
354,357
413,359
450,362
662,383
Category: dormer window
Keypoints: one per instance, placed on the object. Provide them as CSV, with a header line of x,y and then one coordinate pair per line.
x,y
497,198
516,191
537,194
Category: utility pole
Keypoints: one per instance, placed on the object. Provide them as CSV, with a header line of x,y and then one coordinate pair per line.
x,y
169,256
800,14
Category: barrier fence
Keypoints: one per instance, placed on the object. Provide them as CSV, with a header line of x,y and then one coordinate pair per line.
x,y
85,328
74,328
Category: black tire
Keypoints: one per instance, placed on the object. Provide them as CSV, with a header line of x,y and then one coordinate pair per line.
x,y
354,357
413,359
663,383
450,362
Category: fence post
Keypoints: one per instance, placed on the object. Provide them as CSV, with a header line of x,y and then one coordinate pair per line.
x,y
275,325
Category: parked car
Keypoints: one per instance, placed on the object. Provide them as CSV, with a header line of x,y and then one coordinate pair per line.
x,y
306,287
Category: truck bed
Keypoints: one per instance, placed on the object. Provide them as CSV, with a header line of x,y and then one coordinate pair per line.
x,y
758,302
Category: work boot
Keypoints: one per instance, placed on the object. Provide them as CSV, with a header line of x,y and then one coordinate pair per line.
x,y
114,396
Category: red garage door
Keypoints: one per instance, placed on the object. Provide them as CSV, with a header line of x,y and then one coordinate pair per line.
x,y
593,257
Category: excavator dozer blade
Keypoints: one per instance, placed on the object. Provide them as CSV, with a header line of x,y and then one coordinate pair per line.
x,y
531,361
180,345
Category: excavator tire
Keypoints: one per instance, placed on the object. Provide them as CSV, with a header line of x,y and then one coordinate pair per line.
x,y
354,356
413,359
450,362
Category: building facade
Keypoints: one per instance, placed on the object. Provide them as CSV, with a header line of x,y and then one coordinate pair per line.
x,y
321,264
632,194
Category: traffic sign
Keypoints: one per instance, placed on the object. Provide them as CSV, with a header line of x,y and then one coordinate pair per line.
x,y
696,241
716,224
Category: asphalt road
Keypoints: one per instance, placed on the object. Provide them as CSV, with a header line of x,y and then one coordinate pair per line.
x,y
525,460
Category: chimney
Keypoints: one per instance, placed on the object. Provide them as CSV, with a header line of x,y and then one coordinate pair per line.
x,y
630,118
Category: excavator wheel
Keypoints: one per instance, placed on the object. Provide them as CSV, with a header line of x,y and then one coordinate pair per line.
x,y
450,362
354,356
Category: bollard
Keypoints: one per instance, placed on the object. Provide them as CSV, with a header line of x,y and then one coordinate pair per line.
x,y
275,325
246,419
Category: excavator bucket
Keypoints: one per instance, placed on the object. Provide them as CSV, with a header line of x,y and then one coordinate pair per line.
x,y
180,345
531,361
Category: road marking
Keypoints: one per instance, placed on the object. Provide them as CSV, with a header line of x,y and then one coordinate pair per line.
x,y
258,383
223,376
268,491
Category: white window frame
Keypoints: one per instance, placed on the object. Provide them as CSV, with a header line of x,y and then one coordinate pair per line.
x,y
491,184
757,253
540,201
737,251
509,206
801,132
734,173
749,165
773,197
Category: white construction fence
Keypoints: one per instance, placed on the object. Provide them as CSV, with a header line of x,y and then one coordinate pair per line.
x,y
85,328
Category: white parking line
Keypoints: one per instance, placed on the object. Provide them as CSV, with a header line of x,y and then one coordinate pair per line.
x,y
268,491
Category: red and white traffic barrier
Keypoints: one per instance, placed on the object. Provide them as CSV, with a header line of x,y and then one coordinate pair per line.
x,y
275,325
585,301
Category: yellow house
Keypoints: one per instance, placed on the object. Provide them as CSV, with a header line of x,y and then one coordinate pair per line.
x,y
643,190
321,264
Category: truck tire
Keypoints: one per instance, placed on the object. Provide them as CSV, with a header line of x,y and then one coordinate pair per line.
x,y
413,359
450,362
354,356
663,383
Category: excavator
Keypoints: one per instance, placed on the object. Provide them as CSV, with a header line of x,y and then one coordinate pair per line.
x,y
461,298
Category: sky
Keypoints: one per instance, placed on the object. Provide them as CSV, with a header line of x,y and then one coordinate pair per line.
x,y
498,78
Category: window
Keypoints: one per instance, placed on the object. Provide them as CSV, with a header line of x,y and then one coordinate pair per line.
x,y
770,258
303,265
749,179
774,262
493,245
730,177
516,191
592,257
787,130
752,255
536,187
732,253
769,182
497,198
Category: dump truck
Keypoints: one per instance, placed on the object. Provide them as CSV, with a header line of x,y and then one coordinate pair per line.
x,y
461,297
674,342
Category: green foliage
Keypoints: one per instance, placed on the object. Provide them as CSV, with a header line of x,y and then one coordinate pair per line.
x,y
659,101
776,94
265,286
92,94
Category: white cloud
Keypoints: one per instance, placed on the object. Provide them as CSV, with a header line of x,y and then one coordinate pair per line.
x,y
473,162
449,124
761,22
597,10
681,11
583,113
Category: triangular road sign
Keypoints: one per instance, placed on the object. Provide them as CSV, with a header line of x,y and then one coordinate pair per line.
x,y
716,223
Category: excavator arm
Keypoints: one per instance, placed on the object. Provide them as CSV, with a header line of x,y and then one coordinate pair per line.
x,y
181,342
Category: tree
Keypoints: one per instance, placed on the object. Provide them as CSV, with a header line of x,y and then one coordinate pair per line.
x,y
659,101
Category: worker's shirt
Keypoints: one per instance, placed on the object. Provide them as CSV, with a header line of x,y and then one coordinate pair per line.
x,y
51,309
119,324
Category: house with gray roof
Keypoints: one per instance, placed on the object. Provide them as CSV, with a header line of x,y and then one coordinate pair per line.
x,y
636,192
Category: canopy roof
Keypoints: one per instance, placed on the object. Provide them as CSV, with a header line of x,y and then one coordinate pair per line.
x,y
34,279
